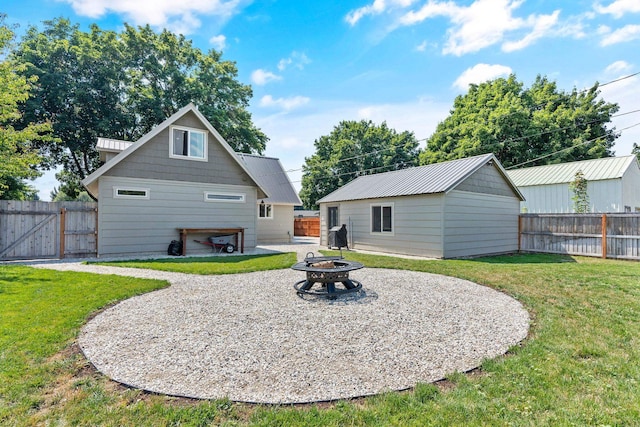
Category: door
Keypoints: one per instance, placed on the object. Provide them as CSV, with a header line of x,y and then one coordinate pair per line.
x,y
332,215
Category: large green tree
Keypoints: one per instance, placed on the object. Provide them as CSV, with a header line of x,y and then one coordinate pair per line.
x,y
524,125
17,152
353,149
120,85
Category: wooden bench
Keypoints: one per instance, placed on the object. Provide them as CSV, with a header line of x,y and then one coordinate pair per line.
x,y
239,232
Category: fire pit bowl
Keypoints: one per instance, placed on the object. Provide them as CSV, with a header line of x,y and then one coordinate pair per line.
x,y
327,271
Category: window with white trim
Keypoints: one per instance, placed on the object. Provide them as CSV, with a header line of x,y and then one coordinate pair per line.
x,y
382,218
265,210
219,196
130,193
188,143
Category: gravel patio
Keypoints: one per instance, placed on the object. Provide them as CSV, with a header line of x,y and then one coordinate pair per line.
x,y
251,338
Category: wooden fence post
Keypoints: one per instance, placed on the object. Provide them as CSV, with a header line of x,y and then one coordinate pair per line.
x,y
604,236
63,222
519,232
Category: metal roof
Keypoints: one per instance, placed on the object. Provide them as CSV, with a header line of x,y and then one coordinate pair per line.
x,y
270,174
429,179
112,145
593,170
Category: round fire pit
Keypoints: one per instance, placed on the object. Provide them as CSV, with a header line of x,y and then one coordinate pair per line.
x,y
327,271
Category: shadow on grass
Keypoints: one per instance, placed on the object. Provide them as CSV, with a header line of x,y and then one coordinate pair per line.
x,y
525,259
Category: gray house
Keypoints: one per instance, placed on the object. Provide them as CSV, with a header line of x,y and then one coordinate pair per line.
x,y
182,174
459,208
275,213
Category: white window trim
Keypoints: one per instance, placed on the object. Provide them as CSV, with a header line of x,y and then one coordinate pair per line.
x,y
393,218
234,197
271,211
117,195
188,129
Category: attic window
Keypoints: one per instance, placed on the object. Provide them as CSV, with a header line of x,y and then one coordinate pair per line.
x,y
188,143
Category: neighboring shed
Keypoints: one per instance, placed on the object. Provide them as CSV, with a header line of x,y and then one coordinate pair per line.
x,y
275,213
613,185
182,174
459,208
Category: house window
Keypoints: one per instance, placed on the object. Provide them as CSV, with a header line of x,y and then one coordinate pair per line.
x,y
265,210
382,218
188,143
332,212
224,197
130,193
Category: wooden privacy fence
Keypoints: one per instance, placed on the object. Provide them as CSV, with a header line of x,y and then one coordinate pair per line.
x,y
33,230
611,235
309,226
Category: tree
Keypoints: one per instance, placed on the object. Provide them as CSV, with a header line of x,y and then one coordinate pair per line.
x,y
636,150
17,153
579,189
353,149
533,126
120,85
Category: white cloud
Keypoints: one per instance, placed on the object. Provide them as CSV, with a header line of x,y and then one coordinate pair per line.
x,y
286,104
624,34
375,8
179,16
481,24
422,46
218,42
261,77
541,26
617,68
619,8
296,59
480,73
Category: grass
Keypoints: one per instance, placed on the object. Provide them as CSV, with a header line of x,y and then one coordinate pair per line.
x,y
579,366
212,264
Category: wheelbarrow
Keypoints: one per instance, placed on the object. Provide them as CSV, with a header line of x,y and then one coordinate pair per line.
x,y
219,244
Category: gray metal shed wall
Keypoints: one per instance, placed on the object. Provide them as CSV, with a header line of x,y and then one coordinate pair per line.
x,y
479,224
278,229
152,161
130,226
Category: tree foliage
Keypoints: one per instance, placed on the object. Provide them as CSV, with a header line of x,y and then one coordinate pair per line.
x,y
524,125
580,196
353,149
17,152
636,150
120,85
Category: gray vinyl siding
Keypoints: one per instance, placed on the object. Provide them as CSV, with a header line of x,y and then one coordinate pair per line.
x,y
152,161
278,229
479,224
130,226
417,226
487,180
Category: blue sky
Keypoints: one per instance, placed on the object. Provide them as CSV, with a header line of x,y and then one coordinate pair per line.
x,y
314,63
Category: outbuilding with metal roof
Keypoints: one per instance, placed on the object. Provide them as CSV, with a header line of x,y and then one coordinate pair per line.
x,y
460,208
613,185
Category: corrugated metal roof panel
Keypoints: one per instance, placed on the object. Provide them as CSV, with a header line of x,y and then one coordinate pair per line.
x,y
271,176
112,145
429,179
593,170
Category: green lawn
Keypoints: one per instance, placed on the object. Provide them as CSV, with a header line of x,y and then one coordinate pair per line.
x,y
212,264
580,365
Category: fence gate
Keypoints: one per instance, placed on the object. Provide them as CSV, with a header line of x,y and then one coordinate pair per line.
x,y
35,230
